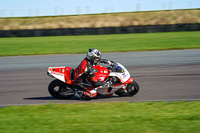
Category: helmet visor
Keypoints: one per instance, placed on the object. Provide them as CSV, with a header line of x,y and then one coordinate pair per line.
x,y
96,60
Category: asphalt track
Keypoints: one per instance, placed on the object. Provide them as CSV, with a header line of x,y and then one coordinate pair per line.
x,y
162,75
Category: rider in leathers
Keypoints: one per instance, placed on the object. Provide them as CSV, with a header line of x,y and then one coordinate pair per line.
x,y
85,70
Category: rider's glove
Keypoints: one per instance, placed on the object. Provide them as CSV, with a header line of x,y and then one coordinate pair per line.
x,y
110,63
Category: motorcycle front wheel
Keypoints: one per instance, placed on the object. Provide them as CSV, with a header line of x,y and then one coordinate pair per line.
x,y
131,90
60,90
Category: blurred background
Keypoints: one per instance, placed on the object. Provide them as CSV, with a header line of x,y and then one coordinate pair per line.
x,y
163,75
23,8
50,14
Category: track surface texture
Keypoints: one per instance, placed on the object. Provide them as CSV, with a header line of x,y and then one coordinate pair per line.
x,y
162,76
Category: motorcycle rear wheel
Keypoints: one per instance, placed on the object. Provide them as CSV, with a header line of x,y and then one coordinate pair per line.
x,y
60,90
132,89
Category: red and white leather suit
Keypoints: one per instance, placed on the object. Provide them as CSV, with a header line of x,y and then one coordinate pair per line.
x,y
85,70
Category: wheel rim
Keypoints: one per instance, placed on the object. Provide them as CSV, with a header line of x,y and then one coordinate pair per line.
x,y
130,89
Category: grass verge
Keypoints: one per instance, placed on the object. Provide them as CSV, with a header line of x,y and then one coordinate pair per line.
x,y
105,43
120,117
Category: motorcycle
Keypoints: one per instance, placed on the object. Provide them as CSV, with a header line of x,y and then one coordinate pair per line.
x,y
64,87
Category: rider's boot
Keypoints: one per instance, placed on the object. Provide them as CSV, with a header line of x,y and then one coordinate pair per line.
x,y
107,94
90,92
86,91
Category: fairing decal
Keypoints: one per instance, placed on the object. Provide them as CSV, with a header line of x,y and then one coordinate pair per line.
x,y
57,72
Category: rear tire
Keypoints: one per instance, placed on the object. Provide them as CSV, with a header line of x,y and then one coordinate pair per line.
x,y
60,90
132,89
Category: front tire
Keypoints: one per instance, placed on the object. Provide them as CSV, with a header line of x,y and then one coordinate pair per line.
x,y
131,90
60,90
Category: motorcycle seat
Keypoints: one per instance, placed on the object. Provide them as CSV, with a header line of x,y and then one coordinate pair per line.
x,y
69,75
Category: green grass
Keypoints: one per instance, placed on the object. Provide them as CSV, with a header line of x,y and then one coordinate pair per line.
x,y
105,43
119,117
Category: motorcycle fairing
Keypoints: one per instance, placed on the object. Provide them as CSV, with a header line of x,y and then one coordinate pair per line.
x,y
124,75
61,73
65,74
101,73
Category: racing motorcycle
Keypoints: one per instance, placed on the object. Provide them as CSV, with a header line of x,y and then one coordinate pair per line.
x,y
64,87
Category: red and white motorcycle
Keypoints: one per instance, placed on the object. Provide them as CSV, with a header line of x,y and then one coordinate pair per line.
x,y
63,87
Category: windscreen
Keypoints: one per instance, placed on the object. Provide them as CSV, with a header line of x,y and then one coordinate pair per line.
x,y
117,69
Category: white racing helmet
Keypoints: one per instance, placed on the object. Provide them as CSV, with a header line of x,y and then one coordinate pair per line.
x,y
94,56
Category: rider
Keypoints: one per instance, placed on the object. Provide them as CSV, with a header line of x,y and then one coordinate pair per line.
x,y
85,70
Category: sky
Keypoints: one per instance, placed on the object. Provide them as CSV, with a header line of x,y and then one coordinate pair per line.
x,y
28,8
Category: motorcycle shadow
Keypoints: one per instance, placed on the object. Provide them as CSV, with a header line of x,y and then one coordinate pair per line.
x,y
73,98
40,98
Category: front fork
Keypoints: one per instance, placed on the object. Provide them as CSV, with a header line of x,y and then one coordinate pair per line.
x,y
118,86
124,85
